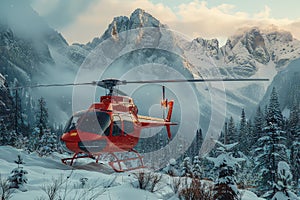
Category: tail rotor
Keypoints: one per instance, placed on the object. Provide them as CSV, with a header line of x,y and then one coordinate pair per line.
x,y
164,102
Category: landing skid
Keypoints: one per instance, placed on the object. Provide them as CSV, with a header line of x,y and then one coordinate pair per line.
x,y
117,164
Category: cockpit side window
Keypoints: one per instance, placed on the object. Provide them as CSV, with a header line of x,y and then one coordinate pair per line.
x,y
117,126
92,122
128,124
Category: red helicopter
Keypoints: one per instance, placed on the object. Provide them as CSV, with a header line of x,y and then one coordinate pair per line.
x,y
113,125
109,126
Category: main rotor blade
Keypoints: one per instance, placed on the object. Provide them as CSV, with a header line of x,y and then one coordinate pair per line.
x,y
53,85
194,80
110,83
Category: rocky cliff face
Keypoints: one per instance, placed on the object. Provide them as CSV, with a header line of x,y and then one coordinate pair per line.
x,y
28,46
249,50
6,102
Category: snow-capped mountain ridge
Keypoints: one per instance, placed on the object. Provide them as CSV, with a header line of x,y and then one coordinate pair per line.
x,y
138,19
252,47
243,53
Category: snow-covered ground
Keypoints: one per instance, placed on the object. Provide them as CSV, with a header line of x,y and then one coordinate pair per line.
x,y
100,181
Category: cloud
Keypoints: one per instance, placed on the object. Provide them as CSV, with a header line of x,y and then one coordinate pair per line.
x,y
194,19
61,13
197,19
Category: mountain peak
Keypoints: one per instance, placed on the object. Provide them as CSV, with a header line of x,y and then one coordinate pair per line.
x,y
140,18
137,11
271,32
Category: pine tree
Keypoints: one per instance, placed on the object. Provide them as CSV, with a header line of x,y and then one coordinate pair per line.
x,y
294,141
196,168
3,133
19,121
226,165
232,136
42,116
271,151
19,161
274,114
7,137
243,139
224,134
186,167
48,143
283,184
196,144
17,178
258,124
250,135
295,160
271,147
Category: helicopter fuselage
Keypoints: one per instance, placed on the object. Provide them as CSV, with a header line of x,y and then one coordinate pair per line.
x,y
111,125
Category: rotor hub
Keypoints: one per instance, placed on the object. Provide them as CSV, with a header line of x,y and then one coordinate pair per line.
x,y
110,84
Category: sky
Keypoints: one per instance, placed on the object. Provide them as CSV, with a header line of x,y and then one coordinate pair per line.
x,y
81,20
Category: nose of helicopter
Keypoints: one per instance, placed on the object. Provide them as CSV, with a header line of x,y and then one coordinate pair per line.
x,y
69,141
72,142
63,145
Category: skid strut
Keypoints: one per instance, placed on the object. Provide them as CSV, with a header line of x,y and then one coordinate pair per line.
x,y
119,165
75,156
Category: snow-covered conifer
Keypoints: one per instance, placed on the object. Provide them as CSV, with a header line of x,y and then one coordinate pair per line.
x,y
270,147
226,165
172,168
17,178
232,132
47,144
258,123
42,116
284,183
242,137
274,114
186,167
19,161
270,151
197,170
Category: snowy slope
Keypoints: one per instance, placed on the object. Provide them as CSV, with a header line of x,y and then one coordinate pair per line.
x,y
108,185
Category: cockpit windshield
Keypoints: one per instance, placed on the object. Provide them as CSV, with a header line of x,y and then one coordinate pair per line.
x,y
91,121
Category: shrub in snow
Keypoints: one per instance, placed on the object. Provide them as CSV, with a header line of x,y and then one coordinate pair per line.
x,y
59,189
196,190
186,167
147,180
5,191
83,181
225,164
171,169
284,183
17,178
